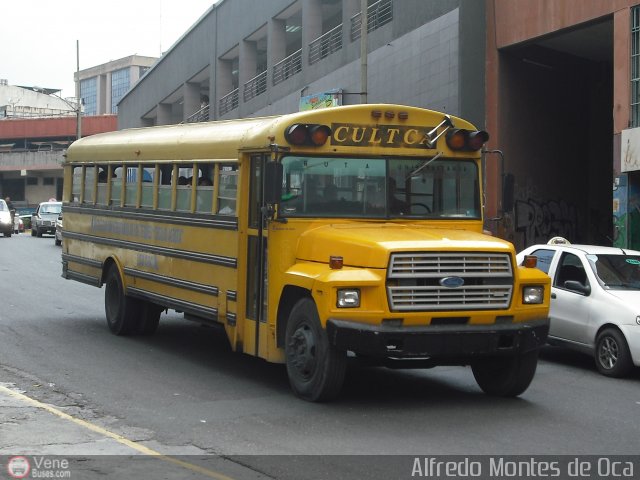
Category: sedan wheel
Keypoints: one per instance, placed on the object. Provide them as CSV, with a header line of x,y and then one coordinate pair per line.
x,y
612,353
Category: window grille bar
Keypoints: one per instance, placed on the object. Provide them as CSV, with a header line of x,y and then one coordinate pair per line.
x,y
287,67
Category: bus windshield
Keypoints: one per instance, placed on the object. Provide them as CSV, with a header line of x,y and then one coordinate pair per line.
x,y
380,187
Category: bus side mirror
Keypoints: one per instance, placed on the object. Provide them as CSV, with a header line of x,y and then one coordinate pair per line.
x,y
508,183
273,182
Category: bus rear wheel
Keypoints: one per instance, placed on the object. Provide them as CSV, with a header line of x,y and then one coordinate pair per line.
x,y
316,369
122,312
506,376
149,318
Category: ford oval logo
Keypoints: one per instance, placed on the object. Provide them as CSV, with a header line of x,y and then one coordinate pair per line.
x,y
452,282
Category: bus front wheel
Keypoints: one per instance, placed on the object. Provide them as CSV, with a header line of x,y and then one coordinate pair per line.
x,y
316,369
122,312
506,376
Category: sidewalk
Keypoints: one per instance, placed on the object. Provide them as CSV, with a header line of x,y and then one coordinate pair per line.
x,y
38,440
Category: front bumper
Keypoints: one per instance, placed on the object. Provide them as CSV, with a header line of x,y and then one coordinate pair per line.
x,y
440,344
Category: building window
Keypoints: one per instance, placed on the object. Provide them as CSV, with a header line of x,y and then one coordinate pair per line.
x,y
119,86
32,180
48,181
635,67
89,95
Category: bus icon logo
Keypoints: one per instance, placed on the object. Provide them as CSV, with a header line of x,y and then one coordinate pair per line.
x,y
18,467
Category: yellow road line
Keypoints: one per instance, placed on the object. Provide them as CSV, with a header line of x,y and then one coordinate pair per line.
x,y
114,436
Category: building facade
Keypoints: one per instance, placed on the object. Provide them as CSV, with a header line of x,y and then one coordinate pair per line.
x,y
233,65
563,104
103,86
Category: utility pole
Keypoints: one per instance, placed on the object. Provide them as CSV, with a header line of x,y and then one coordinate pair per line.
x,y
364,17
78,99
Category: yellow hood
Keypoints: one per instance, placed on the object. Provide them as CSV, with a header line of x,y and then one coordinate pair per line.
x,y
370,245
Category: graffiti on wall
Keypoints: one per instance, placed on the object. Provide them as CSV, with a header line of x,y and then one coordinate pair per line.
x,y
538,221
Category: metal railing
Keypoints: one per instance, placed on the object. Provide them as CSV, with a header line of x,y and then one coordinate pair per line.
x,y
378,14
325,45
228,102
287,67
256,86
201,115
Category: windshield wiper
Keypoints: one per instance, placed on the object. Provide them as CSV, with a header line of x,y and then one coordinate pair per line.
x,y
424,165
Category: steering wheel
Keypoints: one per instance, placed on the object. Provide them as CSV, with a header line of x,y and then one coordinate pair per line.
x,y
421,205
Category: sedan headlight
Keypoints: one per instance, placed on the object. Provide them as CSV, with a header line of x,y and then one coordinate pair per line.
x,y
348,298
533,294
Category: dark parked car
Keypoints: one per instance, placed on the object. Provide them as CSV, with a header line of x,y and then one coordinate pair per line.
x,y
44,218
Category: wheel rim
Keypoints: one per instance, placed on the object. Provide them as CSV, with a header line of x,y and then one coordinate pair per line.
x,y
608,353
302,351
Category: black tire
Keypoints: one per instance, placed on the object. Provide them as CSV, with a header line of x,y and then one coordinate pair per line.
x,y
506,376
612,355
122,312
149,318
316,369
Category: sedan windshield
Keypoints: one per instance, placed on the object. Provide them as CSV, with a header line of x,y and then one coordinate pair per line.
x,y
617,272
380,188
51,208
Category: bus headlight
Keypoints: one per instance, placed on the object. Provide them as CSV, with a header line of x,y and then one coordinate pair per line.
x,y
533,294
348,298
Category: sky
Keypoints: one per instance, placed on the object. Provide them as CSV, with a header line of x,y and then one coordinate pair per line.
x,y
38,37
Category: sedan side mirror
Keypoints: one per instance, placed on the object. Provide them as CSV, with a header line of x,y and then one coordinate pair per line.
x,y
576,286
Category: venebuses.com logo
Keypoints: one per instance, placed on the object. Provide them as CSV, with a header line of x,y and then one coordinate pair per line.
x,y
18,467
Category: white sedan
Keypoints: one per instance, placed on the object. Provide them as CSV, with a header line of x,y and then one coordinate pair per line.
x,y
595,301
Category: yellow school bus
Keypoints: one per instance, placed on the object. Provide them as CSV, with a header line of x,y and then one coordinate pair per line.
x,y
312,238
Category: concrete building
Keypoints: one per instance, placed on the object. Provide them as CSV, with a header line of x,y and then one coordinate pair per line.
x,y
563,103
102,86
36,126
232,65
31,154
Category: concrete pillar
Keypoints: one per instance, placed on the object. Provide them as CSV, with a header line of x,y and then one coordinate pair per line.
x,y
164,114
349,9
246,64
311,26
191,97
276,46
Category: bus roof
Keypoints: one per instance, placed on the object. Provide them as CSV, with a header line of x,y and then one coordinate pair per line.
x,y
223,139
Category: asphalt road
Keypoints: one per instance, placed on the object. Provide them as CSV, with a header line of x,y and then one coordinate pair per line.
x,y
183,391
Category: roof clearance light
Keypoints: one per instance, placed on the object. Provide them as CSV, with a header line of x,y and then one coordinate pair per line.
x,y
459,139
376,113
301,134
476,139
319,134
403,115
456,139
296,134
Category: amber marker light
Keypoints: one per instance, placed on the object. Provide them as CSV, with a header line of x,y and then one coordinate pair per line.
x,y
335,263
530,261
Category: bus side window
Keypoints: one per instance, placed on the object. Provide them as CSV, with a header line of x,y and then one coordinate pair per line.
x,y
228,189
204,189
164,189
116,185
77,184
148,174
183,191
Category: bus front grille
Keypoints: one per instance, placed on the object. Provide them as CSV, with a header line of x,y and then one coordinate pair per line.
x,y
439,281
